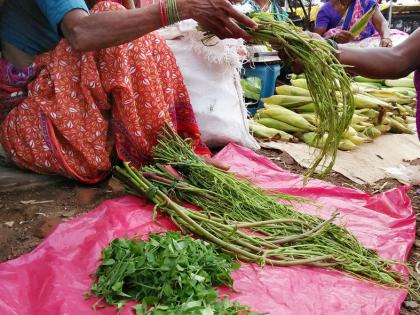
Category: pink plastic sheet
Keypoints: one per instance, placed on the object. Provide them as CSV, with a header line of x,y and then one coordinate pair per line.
x,y
53,278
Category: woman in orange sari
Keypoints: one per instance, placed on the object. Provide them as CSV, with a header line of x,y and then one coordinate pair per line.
x,y
105,89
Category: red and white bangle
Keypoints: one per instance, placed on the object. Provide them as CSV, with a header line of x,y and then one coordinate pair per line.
x,y
163,14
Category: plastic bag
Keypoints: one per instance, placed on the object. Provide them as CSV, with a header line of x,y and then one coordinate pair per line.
x,y
53,278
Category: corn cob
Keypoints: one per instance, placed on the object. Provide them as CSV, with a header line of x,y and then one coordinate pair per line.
x,y
398,127
308,108
399,119
368,112
367,80
404,82
279,125
384,127
346,145
388,96
300,83
401,110
372,132
409,110
292,90
311,118
357,139
313,139
365,101
287,100
361,24
288,116
294,76
410,92
262,131
360,128
350,132
358,87
359,118
365,124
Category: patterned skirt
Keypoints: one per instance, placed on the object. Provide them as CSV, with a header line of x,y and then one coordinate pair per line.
x,y
85,106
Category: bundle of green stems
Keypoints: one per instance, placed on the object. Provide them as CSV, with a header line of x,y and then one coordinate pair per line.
x,y
327,80
246,221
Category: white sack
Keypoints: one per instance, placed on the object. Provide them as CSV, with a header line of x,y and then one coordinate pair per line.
x,y
211,75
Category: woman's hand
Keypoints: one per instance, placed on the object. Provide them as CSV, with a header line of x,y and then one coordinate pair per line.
x,y
386,42
344,37
218,16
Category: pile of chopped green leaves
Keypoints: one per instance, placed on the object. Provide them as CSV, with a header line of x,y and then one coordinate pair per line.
x,y
167,274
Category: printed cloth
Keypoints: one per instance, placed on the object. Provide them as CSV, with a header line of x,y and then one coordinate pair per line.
x,y
82,107
355,11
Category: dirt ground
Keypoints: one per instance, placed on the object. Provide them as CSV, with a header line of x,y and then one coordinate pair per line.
x,y
26,217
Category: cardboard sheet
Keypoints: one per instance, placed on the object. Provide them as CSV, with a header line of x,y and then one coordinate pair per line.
x,y
365,165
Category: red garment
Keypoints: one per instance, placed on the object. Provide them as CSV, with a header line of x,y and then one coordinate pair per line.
x,y
82,106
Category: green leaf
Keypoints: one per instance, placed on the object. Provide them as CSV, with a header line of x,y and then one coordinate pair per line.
x,y
179,245
154,242
139,309
192,304
150,257
171,273
198,278
236,265
108,262
208,311
117,286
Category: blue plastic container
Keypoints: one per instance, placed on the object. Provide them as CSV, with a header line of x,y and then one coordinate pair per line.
x,y
268,73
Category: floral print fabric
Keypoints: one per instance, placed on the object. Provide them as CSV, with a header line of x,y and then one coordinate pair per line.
x,y
83,106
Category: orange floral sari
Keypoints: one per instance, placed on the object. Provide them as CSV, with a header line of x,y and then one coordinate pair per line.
x,y
83,107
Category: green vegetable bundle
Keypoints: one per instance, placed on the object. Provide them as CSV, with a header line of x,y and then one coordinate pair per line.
x,y
325,75
172,273
278,234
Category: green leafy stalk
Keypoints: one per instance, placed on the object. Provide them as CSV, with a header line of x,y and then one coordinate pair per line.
x,y
324,74
168,274
274,232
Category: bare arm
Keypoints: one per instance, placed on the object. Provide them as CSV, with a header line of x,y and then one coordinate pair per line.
x,y
107,29
101,30
387,63
381,26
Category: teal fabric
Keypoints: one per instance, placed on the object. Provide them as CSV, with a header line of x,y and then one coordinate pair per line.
x,y
33,26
